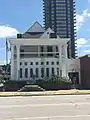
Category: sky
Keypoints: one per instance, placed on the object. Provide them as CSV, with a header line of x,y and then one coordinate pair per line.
x,y
16,16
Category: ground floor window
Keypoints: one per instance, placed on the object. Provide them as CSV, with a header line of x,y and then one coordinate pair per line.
x,y
20,72
74,76
52,71
31,72
42,72
47,72
58,71
37,72
26,72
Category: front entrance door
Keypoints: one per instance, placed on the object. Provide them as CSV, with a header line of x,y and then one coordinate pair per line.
x,y
73,75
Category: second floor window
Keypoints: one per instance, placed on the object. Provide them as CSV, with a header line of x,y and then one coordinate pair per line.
x,y
58,63
20,63
25,63
36,63
49,49
31,63
47,63
52,63
42,63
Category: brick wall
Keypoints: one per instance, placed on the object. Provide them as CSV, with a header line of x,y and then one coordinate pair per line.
x,y
85,72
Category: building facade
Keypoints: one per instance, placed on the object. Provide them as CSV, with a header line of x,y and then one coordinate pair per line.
x,y
39,54
85,71
60,16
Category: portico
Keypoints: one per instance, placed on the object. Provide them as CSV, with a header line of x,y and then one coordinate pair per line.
x,y
16,45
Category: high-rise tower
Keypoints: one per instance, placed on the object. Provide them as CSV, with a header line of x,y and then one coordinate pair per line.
x,y
60,15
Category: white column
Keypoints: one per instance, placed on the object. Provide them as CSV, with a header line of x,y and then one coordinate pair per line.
x,y
63,69
66,51
34,70
54,50
12,62
45,50
28,74
45,71
39,72
18,62
50,71
60,57
64,61
38,51
23,72
55,70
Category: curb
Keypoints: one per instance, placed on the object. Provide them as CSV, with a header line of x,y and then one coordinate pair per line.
x,y
46,93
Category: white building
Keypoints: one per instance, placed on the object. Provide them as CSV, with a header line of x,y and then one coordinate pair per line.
x,y
38,53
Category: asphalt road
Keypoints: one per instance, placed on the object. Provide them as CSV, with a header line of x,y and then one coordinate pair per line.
x,y
45,108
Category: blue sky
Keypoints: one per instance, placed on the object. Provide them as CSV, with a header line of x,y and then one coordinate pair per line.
x,y
18,15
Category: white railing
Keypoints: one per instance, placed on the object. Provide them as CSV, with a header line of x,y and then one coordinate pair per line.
x,y
39,53
39,56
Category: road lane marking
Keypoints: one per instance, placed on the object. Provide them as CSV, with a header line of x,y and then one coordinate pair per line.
x,y
42,105
49,117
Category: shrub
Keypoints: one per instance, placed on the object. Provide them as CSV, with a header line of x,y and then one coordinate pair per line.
x,y
54,80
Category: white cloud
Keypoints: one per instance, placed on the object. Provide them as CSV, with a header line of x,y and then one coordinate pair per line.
x,y
81,42
87,46
2,62
87,51
81,18
7,31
